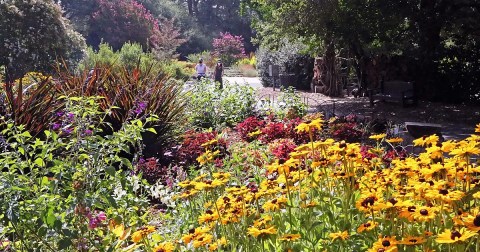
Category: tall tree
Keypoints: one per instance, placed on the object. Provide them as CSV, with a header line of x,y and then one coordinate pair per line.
x,y
33,35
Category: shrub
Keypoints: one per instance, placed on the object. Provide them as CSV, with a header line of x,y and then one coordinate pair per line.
x,y
32,102
290,59
207,57
60,192
191,147
209,106
249,126
281,148
229,48
129,95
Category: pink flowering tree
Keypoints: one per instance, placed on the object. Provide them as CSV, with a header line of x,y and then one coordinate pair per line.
x,y
229,48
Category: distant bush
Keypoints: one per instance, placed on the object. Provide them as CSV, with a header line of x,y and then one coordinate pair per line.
x,y
229,48
207,57
212,107
291,59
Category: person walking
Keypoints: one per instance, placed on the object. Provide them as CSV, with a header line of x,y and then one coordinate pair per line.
x,y
218,73
201,69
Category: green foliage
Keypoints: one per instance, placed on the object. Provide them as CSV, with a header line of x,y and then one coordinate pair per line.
x,y
208,58
283,57
130,57
212,107
290,104
58,192
34,35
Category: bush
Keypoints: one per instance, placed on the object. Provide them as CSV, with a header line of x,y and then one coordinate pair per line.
x,y
212,107
290,59
192,146
229,48
207,57
60,192
129,95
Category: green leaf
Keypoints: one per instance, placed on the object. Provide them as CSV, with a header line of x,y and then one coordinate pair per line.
x,y
152,130
139,123
50,218
39,162
64,244
21,150
110,170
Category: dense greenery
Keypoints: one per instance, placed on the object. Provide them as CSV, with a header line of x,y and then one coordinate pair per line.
x,y
33,35
435,37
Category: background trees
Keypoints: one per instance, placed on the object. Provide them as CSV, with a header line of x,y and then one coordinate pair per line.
x,y
433,37
33,35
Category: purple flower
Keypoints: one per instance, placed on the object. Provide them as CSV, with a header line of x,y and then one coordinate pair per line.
x,y
68,131
141,106
88,132
59,113
56,126
70,116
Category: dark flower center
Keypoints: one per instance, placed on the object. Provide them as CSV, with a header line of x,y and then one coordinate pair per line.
x,y
393,201
443,191
386,243
381,250
368,201
411,208
455,234
424,212
367,224
476,221
413,240
209,211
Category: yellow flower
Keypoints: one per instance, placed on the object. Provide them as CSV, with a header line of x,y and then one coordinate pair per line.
x,y
141,233
369,225
466,150
385,244
449,236
477,129
290,237
211,142
254,133
309,126
208,217
412,240
378,137
395,140
255,232
202,240
339,235
164,247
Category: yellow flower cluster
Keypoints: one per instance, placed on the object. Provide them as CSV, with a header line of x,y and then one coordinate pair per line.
x,y
425,199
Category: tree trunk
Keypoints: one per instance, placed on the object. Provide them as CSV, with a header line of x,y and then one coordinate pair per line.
x,y
333,88
190,7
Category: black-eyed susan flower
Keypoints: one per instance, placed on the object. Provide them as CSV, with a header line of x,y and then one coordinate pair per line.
x,y
472,220
385,244
141,233
378,137
452,236
275,204
255,232
412,240
202,240
310,126
395,140
424,213
367,226
477,128
164,247
290,237
208,216
339,235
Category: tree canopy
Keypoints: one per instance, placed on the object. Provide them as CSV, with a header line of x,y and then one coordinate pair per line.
x,y
439,37
34,35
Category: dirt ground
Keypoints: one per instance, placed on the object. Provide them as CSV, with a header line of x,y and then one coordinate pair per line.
x,y
458,121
